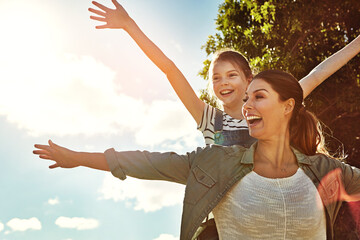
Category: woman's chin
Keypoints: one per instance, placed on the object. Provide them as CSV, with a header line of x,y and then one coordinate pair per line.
x,y
255,134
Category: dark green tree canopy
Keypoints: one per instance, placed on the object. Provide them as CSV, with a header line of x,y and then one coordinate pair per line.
x,y
295,36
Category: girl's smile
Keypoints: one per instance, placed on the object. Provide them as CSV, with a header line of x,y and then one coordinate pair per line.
x,y
229,84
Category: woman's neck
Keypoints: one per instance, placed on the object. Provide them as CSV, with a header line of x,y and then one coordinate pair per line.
x,y
276,150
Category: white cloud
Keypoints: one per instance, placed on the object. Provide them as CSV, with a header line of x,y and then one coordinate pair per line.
x,y
1,226
177,46
53,201
166,237
143,195
167,120
70,95
17,224
77,223
47,92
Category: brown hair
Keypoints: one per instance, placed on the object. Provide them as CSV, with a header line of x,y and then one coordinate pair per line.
x,y
235,58
305,129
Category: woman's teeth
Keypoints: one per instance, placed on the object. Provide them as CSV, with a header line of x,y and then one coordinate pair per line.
x,y
252,119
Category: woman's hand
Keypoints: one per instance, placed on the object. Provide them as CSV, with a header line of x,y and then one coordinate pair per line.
x,y
114,18
62,157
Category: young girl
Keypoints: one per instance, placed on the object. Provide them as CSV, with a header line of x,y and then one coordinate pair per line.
x,y
279,188
229,72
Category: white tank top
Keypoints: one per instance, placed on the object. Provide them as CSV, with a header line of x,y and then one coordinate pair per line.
x,y
266,208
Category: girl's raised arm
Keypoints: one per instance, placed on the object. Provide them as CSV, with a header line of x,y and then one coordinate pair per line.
x,y
119,18
329,66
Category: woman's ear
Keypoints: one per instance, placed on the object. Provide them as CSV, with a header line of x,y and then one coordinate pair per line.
x,y
289,106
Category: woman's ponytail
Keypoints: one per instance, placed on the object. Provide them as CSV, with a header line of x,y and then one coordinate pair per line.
x,y
306,133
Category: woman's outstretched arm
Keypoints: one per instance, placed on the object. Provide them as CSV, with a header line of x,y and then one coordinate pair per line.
x,y
329,66
167,166
66,158
118,18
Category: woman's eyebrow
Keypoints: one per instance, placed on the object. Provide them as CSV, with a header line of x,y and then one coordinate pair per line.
x,y
258,90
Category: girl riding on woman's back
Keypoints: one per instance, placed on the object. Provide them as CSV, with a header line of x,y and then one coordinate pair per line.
x,y
229,72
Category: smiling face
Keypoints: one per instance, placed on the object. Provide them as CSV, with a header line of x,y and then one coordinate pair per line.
x,y
267,116
229,84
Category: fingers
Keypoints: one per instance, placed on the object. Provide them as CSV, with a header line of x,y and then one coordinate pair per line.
x,y
117,5
41,146
98,18
102,7
54,166
102,26
54,146
97,12
40,152
51,144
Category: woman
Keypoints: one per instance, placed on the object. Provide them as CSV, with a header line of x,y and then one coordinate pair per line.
x,y
229,74
266,192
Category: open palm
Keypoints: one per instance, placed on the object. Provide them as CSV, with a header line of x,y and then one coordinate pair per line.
x,y
113,18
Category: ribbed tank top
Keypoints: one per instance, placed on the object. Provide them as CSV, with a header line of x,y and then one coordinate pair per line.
x,y
267,208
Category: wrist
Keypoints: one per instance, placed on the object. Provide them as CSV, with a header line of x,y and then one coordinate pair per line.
x,y
77,158
129,24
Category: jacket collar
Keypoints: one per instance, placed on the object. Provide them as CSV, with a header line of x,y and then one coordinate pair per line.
x,y
248,156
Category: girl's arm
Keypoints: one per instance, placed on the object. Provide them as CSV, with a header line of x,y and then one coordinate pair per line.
x,y
329,66
119,18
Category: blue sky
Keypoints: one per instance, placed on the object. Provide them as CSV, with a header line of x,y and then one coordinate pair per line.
x,y
90,90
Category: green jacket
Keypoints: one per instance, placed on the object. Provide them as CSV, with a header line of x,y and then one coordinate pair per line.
x,y
211,171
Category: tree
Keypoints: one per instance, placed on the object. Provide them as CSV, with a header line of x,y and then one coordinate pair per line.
x,y
295,36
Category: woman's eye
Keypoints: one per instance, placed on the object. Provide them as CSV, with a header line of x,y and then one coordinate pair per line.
x,y
233,75
258,96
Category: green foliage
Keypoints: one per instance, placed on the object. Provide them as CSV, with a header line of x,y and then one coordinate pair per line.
x,y
295,36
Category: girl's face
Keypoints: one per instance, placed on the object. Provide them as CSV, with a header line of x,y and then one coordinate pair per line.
x,y
229,84
266,115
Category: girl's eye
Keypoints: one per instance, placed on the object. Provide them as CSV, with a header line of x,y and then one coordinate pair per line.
x,y
215,79
233,75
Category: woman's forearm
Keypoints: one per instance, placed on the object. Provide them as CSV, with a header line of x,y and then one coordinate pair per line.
x,y
329,66
92,160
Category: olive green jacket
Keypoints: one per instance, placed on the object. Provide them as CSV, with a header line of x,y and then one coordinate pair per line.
x,y
211,171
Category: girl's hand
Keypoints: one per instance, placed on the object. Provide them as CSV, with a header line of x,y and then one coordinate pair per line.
x,y
114,18
63,157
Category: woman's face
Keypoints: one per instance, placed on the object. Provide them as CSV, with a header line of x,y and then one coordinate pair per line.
x,y
229,84
267,116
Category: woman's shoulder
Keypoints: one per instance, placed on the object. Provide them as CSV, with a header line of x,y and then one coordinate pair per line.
x,y
324,163
215,149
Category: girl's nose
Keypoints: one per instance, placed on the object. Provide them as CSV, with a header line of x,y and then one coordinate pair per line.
x,y
225,82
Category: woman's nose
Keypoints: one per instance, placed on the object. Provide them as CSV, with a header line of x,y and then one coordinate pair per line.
x,y
247,105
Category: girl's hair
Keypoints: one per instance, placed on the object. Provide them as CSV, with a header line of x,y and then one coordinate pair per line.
x,y
305,129
236,59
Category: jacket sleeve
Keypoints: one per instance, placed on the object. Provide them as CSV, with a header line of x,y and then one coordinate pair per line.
x,y
167,166
351,177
